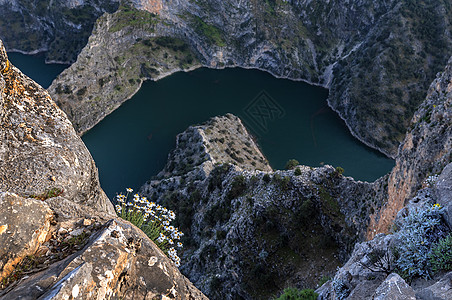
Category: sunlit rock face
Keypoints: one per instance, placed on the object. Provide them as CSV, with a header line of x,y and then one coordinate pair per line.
x,y
152,6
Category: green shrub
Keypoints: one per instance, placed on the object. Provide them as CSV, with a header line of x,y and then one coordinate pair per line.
x,y
153,219
296,294
297,172
238,187
281,182
51,193
323,280
216,177
339,170
440,257
266,178
211,32
291,163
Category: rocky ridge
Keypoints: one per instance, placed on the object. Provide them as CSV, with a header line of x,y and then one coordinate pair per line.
x,y
251,231
59,235
321,42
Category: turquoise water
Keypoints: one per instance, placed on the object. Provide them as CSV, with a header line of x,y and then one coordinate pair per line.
x,y
289,119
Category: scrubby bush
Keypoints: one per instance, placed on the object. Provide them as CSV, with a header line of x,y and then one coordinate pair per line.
x,y
296,294
339,170
153,219
297,172
419,232
291,163
379,260
238,187
440,256
217,176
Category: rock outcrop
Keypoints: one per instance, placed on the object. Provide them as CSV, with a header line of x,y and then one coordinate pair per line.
x,y
24,226
59,235
40,154
377,58
251,231
426,150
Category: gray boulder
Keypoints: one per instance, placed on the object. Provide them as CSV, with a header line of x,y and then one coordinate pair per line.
x,y
41,156
394,288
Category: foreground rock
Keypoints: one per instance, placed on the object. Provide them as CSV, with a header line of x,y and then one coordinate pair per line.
x,y
117,262
24,227
40,154
250,231
59,236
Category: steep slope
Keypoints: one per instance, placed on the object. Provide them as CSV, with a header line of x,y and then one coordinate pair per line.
x,y
59,236
377,58
426,150
60,28
251,231
39,150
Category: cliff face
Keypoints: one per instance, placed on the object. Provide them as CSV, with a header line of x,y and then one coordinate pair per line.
x,y
39,150
377,58
59,236
60,28
426,150
250,231
365,277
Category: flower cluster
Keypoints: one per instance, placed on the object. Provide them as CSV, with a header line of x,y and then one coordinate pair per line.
x,y
154,219
431,180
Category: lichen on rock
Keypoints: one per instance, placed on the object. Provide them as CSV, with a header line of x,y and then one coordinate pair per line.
x,y
39,149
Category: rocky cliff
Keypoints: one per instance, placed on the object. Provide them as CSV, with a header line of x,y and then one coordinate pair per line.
x,y
59,236
58,28
370,273
377,58
426,150
420,180
251,231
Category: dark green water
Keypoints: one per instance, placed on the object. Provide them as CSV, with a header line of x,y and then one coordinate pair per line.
x,y
34,67
291,120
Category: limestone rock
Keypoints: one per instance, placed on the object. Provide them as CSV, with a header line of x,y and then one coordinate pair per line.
x,y
119,261
443,191
426,150
252,230
353,280
44,27
40,153
222,140
394,288
441,290
25,224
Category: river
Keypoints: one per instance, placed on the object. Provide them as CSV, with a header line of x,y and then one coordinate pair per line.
x,y
290,120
